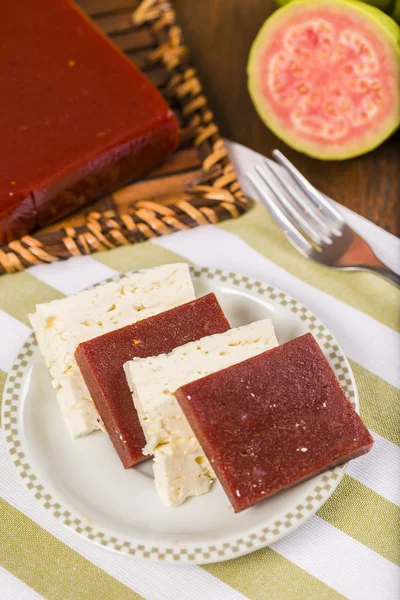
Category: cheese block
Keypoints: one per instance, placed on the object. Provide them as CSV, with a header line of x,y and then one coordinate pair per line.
x,y
61,325
180,466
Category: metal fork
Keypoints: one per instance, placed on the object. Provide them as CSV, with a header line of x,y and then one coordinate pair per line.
x,y
310,222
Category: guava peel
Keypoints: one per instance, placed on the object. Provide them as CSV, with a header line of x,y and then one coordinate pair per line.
x,y
384,5
324,76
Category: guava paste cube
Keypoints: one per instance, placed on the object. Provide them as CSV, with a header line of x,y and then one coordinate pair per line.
x,y
101,363
273,420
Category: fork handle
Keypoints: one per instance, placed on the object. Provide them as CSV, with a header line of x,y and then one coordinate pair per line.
x,y
359,256
383,271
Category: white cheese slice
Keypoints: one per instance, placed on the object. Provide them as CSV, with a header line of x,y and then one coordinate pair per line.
x,y
61,325
180,466
181,470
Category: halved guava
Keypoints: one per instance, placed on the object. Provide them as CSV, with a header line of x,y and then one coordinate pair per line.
x,y
324,76
382,4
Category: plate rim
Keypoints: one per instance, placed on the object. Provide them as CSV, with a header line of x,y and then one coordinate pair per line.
x,y
185,552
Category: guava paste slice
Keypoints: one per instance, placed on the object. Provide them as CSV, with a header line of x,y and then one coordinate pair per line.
x,y
272,421
101,362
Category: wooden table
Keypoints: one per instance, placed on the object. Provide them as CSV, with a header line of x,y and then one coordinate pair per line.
x,y
219,34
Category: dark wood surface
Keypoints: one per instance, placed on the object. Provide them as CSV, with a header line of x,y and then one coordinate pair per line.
x,y
219,34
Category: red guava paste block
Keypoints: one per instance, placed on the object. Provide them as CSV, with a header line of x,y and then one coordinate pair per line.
x,y
77,118
273,421
101,363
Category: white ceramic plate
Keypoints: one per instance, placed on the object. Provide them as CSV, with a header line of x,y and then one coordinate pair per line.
x,y
84,485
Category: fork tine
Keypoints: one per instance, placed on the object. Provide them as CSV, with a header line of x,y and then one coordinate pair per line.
x,y
321,201
304,203
291,232
280,191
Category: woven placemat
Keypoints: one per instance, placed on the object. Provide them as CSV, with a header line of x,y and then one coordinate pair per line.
x,y
196,186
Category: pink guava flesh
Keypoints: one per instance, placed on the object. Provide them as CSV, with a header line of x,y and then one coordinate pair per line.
x,y
326,79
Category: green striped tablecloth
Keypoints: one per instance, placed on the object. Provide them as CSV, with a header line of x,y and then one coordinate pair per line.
x,y
351,548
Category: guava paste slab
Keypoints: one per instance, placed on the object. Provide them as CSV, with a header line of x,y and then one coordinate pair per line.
x,y
273,421
101,363
77,118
